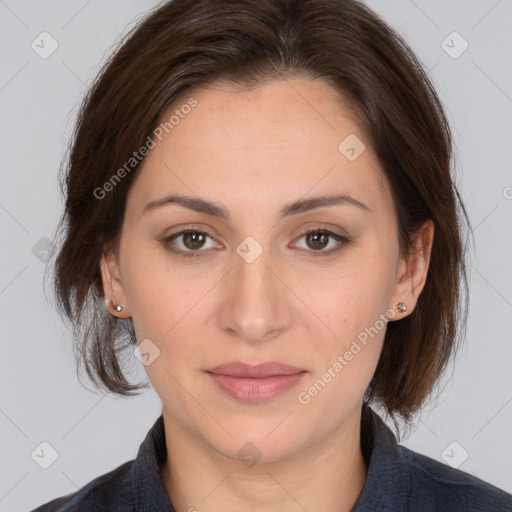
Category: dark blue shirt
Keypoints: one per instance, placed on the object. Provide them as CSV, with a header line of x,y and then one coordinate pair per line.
x,y
398,480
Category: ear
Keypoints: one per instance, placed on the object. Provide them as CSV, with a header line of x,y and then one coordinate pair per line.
x,y
112,286
413,270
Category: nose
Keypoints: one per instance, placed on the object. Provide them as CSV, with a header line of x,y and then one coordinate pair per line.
x,y
255,305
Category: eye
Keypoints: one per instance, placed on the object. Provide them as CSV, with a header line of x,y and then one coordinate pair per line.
x,y
192,241
319,239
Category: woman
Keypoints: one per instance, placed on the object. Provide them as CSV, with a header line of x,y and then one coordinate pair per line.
x,y
259,201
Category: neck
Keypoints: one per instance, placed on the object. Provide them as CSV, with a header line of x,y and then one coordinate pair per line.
x,y
327,476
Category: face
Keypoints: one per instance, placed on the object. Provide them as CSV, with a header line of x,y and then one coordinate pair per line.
x,y
247,283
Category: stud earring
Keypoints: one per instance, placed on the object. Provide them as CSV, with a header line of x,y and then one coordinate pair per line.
x,y
401,307
117,308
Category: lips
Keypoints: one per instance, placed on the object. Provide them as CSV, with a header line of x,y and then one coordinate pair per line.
x,y
270,369
255,383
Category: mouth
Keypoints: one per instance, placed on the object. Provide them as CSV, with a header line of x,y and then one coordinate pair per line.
x,y
255,383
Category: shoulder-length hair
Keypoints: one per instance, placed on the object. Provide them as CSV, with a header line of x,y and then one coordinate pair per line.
x,y
184,44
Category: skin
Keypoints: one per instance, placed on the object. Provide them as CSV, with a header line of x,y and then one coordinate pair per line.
x,y
253,151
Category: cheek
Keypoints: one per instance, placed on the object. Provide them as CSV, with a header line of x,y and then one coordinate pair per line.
x,y
171,310
354,306
149,299
155,291
355,295
346,361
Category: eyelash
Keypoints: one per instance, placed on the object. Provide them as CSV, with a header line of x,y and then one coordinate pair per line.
x,y
342,242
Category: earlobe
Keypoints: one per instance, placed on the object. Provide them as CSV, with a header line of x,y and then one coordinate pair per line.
x,y
115,299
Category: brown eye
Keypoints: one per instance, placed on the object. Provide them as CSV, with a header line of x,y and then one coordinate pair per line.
x,y
189,242
193,240
317,240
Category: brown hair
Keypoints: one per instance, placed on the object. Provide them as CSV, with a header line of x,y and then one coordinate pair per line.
x,y
192,43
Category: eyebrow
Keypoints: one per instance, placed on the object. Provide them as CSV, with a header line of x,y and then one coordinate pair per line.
x,y
211,208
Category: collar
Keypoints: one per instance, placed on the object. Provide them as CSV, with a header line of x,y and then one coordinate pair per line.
x,y
148,488
388,480
386,488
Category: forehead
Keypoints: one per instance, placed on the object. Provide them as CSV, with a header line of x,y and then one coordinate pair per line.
x,y
280,140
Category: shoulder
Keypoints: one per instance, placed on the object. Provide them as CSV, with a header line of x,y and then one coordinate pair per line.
x,y
110,491
400,479
437,486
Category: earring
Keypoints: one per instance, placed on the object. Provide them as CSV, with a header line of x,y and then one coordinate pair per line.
x,y
401,307
117,308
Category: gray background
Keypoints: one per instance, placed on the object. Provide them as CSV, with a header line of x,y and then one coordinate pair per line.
x,y
41,398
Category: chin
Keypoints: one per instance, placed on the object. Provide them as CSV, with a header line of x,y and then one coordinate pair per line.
x,y
258,445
